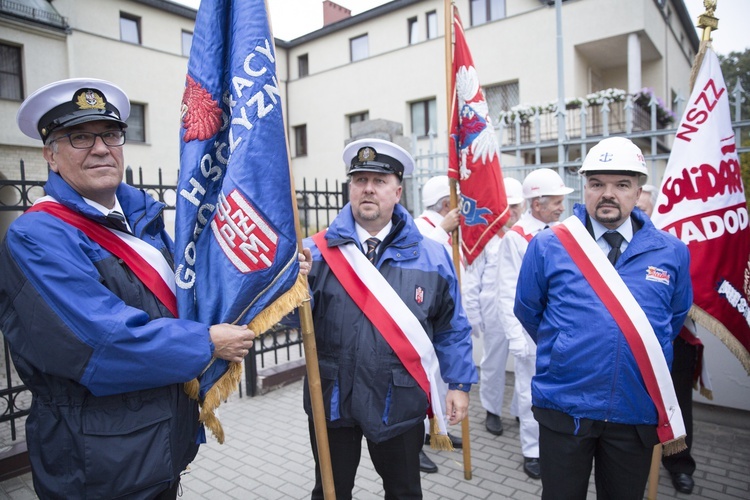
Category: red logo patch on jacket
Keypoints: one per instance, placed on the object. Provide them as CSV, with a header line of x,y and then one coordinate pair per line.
x,y
419,294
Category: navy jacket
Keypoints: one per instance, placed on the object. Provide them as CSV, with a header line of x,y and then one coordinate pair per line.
x,y
363,381
103,358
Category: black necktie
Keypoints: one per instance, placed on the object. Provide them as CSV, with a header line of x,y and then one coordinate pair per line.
x,y
372,244
615,240
117,221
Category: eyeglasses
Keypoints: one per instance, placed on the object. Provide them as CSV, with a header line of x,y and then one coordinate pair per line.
x,y
86,140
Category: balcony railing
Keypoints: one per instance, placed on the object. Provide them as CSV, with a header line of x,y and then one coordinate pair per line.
x,y
43,16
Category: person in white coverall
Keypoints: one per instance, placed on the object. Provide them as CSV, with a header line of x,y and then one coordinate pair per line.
x,y
544,192
437,222
480,292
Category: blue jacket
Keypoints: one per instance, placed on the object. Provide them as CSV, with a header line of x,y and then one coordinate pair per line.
x,y
585,367
103,358
363,381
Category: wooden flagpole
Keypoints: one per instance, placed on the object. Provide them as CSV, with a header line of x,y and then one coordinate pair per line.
x,y
449,102
706,22
308,341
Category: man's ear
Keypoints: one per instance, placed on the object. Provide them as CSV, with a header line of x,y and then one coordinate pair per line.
x,y
49,155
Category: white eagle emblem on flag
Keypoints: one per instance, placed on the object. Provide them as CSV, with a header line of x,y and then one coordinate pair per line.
x,y
477,135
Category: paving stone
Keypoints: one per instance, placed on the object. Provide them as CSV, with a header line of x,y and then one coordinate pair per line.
x,y
267,456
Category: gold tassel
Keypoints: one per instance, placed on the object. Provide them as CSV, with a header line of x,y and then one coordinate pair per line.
x,y
192,388
229,382
706,393
439,441
675,446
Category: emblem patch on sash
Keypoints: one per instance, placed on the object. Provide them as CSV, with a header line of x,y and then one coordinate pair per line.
x,y
658,275
419,294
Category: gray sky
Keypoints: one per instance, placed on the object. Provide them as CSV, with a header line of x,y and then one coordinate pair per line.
x,y
294,18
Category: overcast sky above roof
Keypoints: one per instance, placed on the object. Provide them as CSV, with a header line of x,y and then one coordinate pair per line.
x,y
294,18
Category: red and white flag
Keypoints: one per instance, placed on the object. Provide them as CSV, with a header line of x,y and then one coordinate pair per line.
x,y
702,202
474,154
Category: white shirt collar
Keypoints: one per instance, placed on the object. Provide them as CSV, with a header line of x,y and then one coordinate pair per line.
x,y
105,211
363,235
625,229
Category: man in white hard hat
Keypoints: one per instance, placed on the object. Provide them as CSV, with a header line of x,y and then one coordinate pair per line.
x,y
388,326
480,288
437,222
603,294
647,199
544,192
92,335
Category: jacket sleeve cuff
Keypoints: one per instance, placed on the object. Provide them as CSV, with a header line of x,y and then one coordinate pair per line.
x,y
459,387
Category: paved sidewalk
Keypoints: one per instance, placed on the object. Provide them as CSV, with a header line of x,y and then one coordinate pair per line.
x,y
267,456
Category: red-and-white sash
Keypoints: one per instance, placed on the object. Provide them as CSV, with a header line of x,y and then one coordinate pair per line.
x,y
527,236
146,262
390,316
629,316
432,223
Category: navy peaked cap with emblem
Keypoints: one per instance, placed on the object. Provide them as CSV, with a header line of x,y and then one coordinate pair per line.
x,y
378,155
70,102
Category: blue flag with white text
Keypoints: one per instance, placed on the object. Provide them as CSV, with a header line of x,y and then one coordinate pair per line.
x,y
236,246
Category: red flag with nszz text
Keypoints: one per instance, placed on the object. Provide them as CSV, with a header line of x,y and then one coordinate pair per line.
x,y
474,154
702,202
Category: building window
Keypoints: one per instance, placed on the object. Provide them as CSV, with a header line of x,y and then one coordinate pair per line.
x,y
432,25
303,67
136,131
501,97
424,117
413,30
358,48
300,140
356,118
483,11
11,83
130,28
187,43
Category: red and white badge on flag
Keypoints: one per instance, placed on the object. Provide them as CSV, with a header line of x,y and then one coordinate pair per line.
x,y
702,202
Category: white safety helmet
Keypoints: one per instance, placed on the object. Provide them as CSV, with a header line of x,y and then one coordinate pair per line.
x,y
513,190
614,154
434,189
544,182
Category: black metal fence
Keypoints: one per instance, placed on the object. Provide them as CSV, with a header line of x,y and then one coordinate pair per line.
x,y
317,205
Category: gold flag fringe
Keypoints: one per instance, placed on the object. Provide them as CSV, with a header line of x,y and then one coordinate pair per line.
x,y
229,382
714,326
675,446
439,441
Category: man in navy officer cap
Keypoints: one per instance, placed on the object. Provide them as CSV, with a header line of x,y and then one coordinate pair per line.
x,y
388,325
87,306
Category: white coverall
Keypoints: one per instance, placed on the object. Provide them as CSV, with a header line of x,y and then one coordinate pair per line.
x,y
480,298
510,256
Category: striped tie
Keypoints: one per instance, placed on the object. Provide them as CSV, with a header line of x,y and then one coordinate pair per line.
x,y
117,221
372,244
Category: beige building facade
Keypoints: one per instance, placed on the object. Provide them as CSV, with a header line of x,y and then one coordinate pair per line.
x,y
625,44
384,64
141,45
